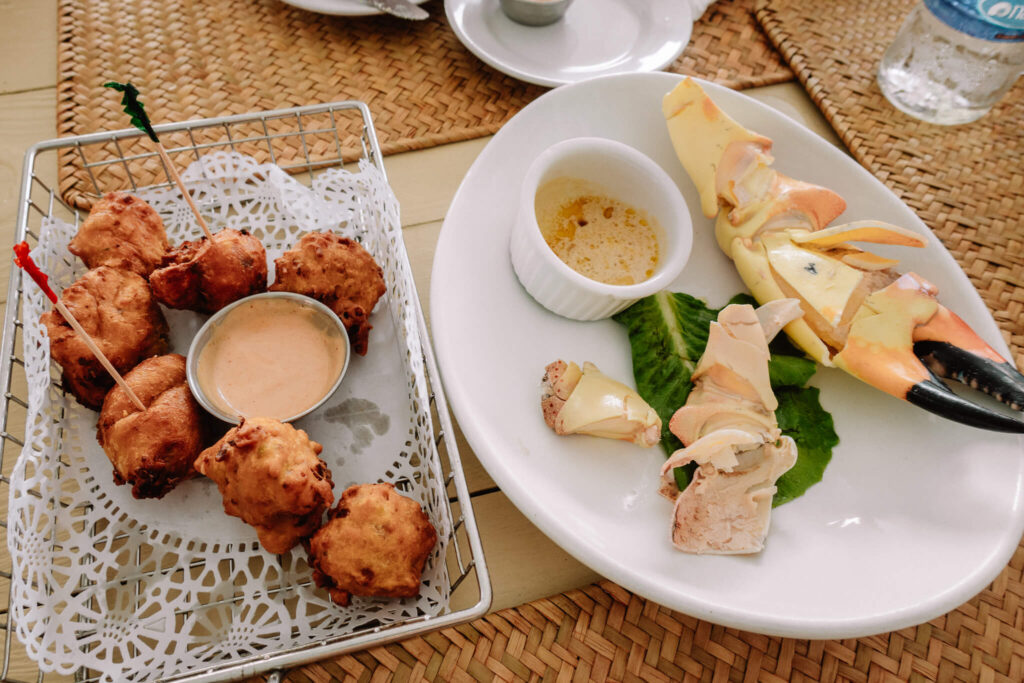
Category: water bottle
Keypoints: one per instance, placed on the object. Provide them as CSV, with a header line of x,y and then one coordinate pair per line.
x,y
953,59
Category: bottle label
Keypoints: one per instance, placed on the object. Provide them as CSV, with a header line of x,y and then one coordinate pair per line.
x,y
1003,13
997,20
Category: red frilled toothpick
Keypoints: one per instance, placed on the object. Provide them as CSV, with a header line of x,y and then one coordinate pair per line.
x,y
25,262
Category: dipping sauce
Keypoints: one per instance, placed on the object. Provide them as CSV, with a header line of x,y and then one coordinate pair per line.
x,y
601,238
271,357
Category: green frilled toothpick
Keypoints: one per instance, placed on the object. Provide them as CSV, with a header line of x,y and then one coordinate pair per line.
x,y
133,107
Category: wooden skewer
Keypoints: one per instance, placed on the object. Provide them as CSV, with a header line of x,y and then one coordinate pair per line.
x,y
184,190
25,262
133,107
77,327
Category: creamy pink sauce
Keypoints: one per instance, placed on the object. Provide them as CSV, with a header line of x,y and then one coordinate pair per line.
x,y
271,358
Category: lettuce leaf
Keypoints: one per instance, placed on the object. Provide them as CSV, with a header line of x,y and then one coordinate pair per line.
x,y
789,371
667,335
801,416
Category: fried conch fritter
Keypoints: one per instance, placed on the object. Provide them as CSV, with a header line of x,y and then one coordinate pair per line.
x,y
270,476
121,231
206,276
338,272
152,450
119,312
375,544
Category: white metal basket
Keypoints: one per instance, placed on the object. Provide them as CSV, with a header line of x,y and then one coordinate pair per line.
x,y
324,135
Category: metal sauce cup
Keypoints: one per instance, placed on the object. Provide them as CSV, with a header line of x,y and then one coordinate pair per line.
x,y
207,331
535,12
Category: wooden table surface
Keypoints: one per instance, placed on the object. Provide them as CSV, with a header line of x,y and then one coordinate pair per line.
x,y
524,564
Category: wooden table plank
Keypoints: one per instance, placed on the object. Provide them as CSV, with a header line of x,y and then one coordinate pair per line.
x,y
524,563
25,119
28,45
425,182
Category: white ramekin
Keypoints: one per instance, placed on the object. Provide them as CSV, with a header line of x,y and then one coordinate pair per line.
x,y
624,174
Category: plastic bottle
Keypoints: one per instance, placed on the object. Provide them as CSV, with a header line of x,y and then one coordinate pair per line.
x,y
953,59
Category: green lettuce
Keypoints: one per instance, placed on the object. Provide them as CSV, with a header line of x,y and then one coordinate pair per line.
x,y
801,416
667,335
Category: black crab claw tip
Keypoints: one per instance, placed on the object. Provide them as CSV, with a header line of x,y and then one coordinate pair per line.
x,y
935,397
1000,380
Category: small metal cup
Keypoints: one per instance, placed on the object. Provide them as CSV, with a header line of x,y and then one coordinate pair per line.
x,y
206,333
535,12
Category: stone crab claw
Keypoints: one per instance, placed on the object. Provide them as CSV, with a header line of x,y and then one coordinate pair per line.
x,y
587,401
902,340
859,314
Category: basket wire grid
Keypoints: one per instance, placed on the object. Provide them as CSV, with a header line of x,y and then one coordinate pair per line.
x,y
300,140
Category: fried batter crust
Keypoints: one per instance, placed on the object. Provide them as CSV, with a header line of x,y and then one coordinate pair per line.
x,y
375,543
152,450
121,231
119,312
270,476
205,277
338,272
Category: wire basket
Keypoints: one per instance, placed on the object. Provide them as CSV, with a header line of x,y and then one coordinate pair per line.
x,y
305,141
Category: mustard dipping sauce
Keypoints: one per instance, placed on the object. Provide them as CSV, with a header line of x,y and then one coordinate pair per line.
x,y
271,357
601,238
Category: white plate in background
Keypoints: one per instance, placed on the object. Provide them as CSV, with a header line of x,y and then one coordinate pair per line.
x,y
915,514
594,38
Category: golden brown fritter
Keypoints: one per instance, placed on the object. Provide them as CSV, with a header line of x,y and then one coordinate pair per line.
x,y
205,277
375,544
338,272
119,312
152,450
270,476
121,231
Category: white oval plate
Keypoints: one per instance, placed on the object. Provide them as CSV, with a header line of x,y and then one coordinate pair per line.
x,y
915,514
594,38
341,8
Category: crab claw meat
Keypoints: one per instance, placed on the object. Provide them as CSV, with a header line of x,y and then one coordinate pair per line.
x,y
718,448
775,315
729,430
728,511
587,401
694,419
859,313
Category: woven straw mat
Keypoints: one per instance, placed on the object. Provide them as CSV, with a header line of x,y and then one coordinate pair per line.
x,y
605,633
965,182
195,60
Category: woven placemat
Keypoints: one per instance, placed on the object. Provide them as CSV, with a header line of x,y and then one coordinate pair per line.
x,y
605,633
965,182
218,57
